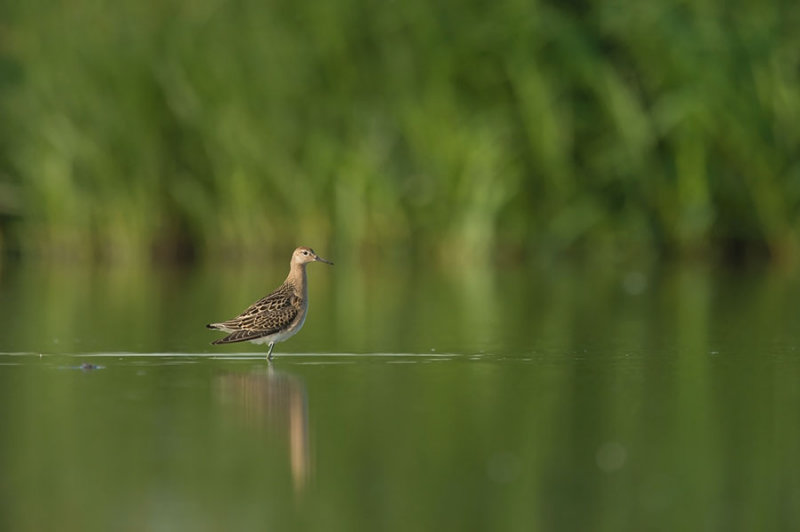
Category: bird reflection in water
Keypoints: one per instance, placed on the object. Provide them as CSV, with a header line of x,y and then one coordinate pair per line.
x,y
276,402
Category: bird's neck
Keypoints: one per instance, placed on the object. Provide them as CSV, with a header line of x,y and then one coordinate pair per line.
x,y
297,278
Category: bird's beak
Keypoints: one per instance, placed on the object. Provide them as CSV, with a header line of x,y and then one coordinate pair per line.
x,y
320,259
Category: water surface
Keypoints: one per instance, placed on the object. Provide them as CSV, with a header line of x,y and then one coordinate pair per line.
x,y
511,399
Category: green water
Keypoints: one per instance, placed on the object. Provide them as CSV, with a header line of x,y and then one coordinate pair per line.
x,y
527,398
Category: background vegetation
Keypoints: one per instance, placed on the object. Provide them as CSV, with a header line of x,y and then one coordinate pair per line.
x,y
204,128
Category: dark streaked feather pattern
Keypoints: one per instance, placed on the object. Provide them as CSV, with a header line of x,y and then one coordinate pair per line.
x,y
266,316
238,336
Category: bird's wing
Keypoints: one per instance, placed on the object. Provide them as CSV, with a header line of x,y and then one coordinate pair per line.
x,y
273,321
267,315
238,336
260,326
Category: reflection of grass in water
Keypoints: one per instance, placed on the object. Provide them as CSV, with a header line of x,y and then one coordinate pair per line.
x,y
228,128
626,403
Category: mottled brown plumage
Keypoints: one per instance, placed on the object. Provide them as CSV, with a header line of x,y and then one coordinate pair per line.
x,y
277,316
266,316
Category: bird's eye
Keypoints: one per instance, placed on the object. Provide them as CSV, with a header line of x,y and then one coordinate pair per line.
x,y
305,253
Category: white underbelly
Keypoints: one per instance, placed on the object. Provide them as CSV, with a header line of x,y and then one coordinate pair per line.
x,y
285,334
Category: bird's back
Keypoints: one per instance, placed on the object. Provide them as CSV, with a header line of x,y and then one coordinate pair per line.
x,y
270,314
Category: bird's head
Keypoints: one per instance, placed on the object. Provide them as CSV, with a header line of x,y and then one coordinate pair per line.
x,y
304,255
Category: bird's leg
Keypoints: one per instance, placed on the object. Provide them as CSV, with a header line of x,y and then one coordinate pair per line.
x,y
269,353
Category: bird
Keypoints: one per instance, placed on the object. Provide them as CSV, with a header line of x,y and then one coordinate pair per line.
x,y
277,316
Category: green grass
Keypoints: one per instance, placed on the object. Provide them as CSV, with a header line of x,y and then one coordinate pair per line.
x,y
203,129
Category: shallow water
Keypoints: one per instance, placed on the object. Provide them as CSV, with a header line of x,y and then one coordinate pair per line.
x,y
516,399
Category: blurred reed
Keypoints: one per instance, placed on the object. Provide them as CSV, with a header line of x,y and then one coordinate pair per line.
x,y
202,129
